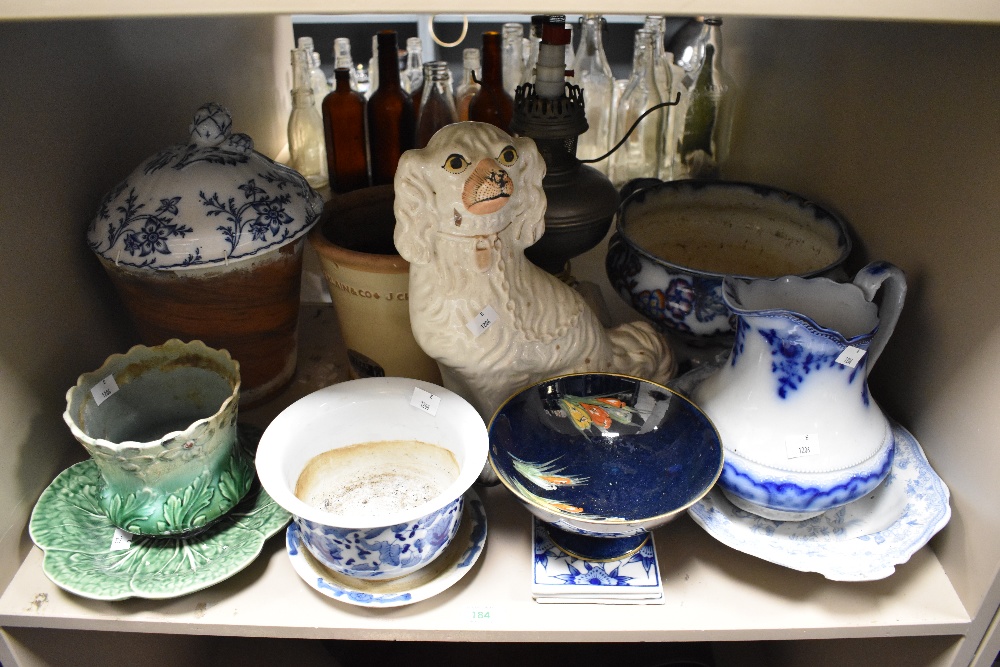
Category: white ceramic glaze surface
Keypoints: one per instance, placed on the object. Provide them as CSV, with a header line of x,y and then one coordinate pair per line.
x,y
210,201
800,430
466,208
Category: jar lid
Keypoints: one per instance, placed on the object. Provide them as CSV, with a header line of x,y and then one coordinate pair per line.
x,y
211,201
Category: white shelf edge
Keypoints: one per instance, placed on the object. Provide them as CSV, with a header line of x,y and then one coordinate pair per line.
x,y
713,594
889,10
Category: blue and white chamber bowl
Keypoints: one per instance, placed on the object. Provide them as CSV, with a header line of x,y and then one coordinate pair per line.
x,y
352,541
675,241
603,459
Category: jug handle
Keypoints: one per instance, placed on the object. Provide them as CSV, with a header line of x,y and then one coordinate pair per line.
x,y
869,280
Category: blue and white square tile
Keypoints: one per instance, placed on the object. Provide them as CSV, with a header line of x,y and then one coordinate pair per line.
x,y
559,577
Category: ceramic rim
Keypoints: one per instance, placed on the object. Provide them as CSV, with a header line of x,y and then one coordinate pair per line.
x,y
843,236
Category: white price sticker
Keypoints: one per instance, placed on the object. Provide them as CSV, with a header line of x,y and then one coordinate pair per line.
x,y
426,401
851,356
481,615
797,446
121,541
104,389
486,318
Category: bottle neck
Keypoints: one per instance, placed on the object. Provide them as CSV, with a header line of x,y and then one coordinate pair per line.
x,y
492,60
301,70
388,61
642,58
714,38
592,45
302,97
342,77
470,66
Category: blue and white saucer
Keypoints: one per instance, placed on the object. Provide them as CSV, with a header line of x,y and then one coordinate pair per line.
x,y
439,575
559,577
861,541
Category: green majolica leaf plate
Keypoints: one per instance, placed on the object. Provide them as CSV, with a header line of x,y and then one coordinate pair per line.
x,y
69,526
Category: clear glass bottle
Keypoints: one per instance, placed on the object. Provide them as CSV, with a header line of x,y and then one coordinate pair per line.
x,y
413,74
373,69
361,76
306,143
664,83
390,120
570,56
469,85
512,57
592,72
492,104
342,59
321,87
317,78
531,55
437,106
702,125
638,157
661,68
344,130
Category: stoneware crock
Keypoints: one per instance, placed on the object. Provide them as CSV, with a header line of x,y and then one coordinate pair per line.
x,y
369,285
800,429
160,423
204,241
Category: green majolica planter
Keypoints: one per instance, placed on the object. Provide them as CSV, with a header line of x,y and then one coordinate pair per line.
x,y
160,423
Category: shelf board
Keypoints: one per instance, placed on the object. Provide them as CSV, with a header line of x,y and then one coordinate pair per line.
x,y
713,593
907,10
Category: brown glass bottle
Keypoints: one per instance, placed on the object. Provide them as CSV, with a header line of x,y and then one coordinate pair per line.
x,y
492,104
344,128
391,122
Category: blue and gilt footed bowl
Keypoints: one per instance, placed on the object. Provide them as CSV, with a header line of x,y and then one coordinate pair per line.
x,y
603,459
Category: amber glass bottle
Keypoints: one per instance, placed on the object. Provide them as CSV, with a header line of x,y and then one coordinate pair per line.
x,y
391,122
344,129
492,104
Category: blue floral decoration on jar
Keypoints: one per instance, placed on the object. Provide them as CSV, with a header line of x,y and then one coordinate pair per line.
x,y
167,213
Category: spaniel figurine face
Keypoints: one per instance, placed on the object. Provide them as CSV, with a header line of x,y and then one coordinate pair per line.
x,y
471,180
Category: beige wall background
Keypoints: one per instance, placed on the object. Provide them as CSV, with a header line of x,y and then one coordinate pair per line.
x,y
84,103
